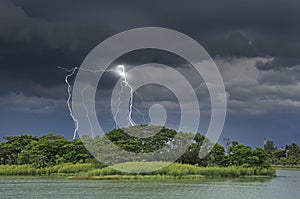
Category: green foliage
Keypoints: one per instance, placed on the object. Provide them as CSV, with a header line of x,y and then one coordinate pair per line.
x,y
141,138
174,169
66,168
288,156
55,154
269,146
179,170
241,155
72,168
17,170
10,150
41,152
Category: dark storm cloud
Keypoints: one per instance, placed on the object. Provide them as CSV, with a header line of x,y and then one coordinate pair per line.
x,y
279,71
37,36
256,44
238,28
279,62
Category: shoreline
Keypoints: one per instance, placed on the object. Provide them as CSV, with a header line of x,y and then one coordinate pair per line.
x,y
164,177
140,177
281,167
137,177
137,171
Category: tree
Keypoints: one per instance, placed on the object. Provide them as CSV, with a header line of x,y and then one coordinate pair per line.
x,y
217,156
263,158
269,146
292,154
50,150
239,154
14,145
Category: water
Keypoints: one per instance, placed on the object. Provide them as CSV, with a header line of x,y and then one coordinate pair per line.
x,y
286,185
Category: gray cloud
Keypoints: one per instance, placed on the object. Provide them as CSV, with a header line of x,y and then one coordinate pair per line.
x,y
31,104
284,76
253,91
255,43
278,63
225,28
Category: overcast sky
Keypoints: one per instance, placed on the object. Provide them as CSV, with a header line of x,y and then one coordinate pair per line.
x,y
255,45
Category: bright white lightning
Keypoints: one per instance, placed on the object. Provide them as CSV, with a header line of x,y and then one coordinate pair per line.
x,y
69,90
124,83
122,71
72,71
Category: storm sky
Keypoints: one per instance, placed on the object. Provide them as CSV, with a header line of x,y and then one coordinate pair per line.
x,y
255,45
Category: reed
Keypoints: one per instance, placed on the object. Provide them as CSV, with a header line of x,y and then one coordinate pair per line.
x,y
67,168
17,170
176,170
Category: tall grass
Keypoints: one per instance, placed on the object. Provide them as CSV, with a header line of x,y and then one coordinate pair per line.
x,y
17,170
73,168
176,169
137,168
67,168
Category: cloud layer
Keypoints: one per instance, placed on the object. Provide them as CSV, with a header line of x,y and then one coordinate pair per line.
x,y
255,44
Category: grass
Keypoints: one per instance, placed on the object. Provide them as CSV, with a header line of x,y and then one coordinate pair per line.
x,y
62,169
136,170
286,167
180,170
17,170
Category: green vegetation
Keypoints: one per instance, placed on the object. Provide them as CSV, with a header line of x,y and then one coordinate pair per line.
x,y
286,167
57,170
179,170
174,170
42,151
288,156
55,155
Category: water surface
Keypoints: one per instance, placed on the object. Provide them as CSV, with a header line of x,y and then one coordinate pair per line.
x,y
286,185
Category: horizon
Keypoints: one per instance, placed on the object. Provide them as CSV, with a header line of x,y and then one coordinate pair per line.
x,y
220,141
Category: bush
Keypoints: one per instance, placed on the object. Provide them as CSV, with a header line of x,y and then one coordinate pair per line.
x,y
30,170
74,168
17,170
138,168
178,170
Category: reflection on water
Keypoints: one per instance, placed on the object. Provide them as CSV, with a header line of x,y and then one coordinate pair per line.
x,y
286,186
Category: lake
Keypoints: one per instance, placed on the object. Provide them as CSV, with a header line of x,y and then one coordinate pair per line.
x,y
286,185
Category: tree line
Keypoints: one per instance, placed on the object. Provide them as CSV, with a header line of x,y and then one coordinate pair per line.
x,y
51,150
40,152
287,155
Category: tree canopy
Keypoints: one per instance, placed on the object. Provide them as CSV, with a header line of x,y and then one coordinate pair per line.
x,y
50,150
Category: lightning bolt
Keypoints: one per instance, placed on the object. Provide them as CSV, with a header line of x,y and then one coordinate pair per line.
x,y
69,91
124,83
71,73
